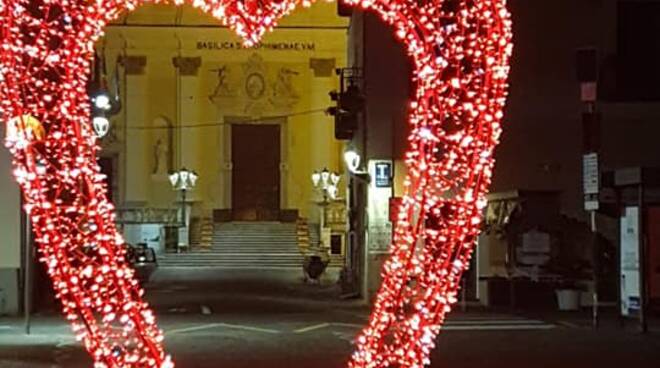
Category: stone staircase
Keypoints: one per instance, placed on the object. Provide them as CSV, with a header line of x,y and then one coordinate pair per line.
x,y
304,240
201,234
241,245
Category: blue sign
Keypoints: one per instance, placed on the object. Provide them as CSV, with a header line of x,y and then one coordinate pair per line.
x,y
383,177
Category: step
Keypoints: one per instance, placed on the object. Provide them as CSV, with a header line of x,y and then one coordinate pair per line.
x,y
233,264
273,258
244,245
238,267
253,246
238,261
228,255
253,235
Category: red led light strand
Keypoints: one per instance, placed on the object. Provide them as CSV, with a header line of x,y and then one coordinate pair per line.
x,y
460,51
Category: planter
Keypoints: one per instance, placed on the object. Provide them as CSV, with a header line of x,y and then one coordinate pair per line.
x,y
314,267
568,299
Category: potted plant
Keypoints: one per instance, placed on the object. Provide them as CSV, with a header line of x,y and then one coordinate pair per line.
x,y
314,264
568,289
568,296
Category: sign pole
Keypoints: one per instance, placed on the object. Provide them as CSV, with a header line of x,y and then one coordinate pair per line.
x,y
641,243
587,75
596,268
27,281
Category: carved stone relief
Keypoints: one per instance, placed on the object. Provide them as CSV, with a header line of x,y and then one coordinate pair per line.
x,y
255,88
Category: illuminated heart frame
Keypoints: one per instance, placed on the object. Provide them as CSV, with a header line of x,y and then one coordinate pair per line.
x,y
460,51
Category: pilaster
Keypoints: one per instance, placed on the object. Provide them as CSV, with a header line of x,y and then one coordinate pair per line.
x,y
189,104
136,114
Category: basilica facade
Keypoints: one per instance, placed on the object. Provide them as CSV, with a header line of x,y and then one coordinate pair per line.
x,y
250,122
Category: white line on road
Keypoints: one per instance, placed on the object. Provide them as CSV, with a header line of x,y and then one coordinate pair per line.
x,y
250,328
210,326
568,324
494,322
311,328
497,327
493,325
349,324
193,328
5,327
489,326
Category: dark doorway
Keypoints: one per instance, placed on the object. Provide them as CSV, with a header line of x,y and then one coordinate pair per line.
x,y
255,152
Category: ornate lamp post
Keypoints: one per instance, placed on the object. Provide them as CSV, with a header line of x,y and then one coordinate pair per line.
x,y
326,183
183,181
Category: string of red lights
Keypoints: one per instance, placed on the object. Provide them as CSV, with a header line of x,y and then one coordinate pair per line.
x,y
460,51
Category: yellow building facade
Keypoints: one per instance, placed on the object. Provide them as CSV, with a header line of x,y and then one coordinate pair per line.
x,y
249,121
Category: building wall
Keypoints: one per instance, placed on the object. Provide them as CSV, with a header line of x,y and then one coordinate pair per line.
x,y
10,228
541,145
543,113
383,130
293,61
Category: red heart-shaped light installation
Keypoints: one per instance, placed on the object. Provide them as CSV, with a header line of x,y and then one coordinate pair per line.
x,y
460,51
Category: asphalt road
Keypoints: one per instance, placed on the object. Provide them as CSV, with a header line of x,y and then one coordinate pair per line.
x,y
231,320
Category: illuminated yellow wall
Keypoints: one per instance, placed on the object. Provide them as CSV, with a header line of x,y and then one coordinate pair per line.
x,y
300,52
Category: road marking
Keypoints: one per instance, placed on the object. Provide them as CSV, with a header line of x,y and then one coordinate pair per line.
x,y
349,324
568,324
462,325
494,322
311,328
498,327
5,327
250,328
210,326
194,328
493,325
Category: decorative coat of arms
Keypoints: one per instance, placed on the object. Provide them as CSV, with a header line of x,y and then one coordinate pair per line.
x,y
260,90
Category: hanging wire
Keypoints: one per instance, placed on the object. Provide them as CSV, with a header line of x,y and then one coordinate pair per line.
x,y
212,124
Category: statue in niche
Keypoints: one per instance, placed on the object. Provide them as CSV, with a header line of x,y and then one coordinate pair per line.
x,y
162,147
161,152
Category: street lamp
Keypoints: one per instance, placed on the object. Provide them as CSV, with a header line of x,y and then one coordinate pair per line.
x,y
183,180
104,104
327,183
101,125
352,159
